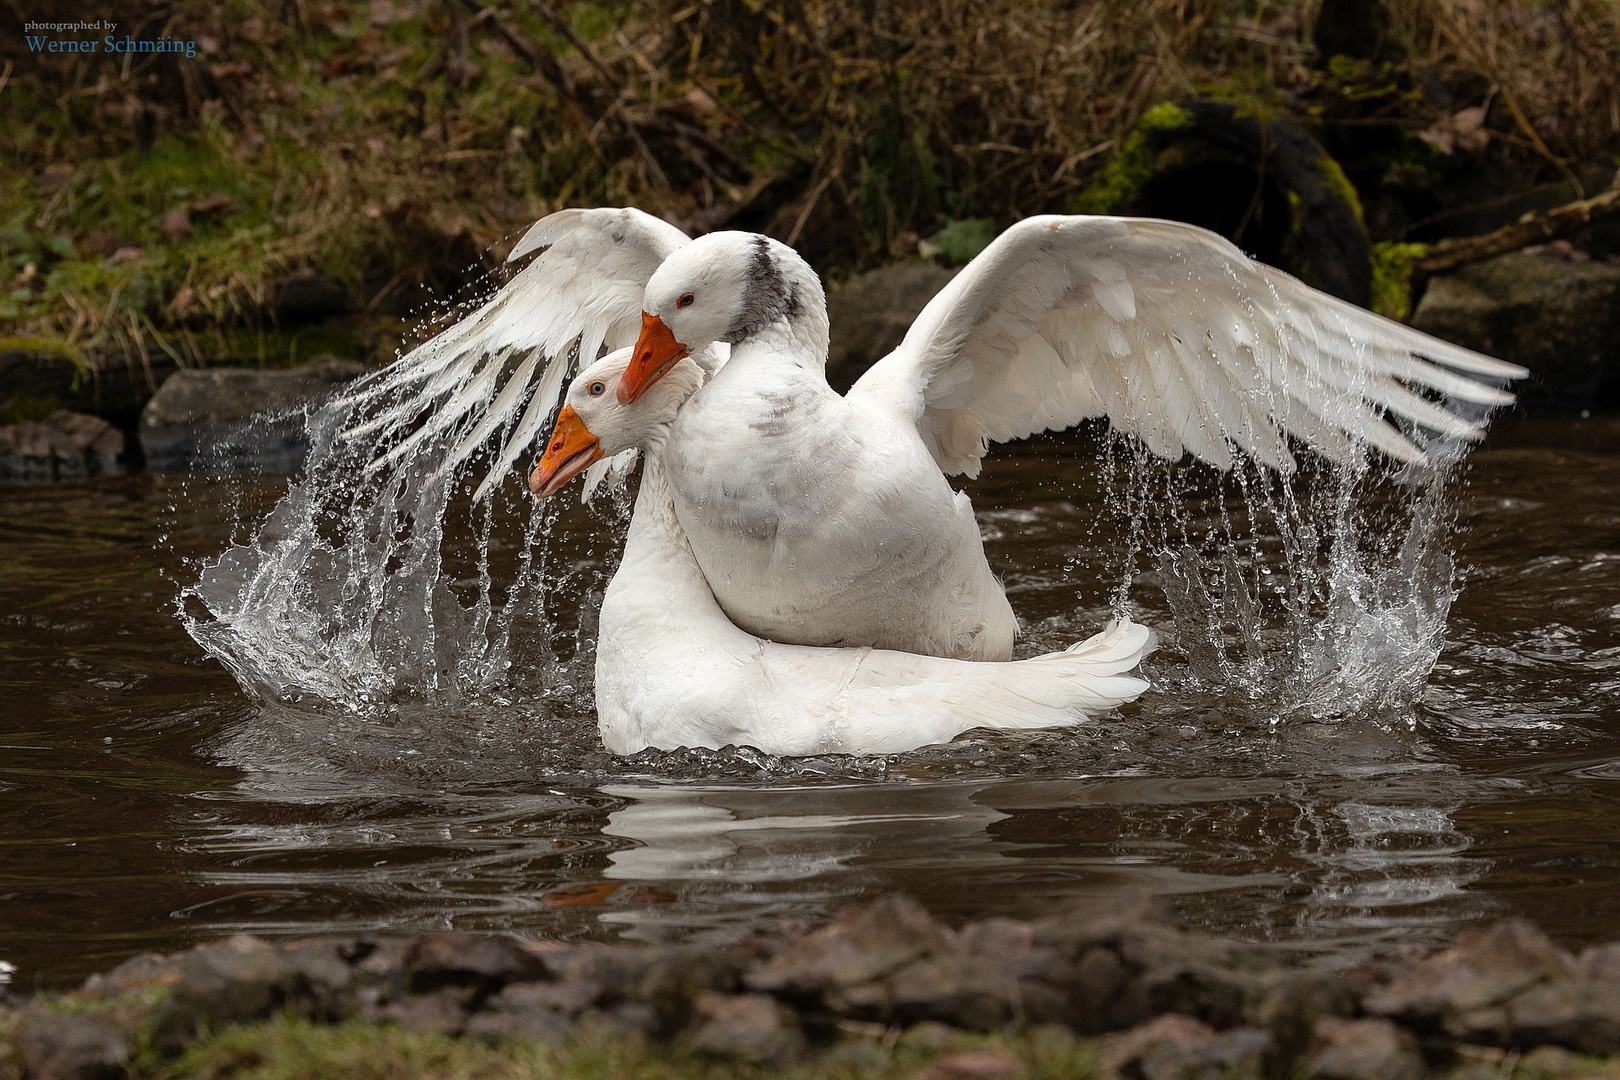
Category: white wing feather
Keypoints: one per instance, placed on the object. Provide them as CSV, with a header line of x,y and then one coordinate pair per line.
x,y
1180,340
503,369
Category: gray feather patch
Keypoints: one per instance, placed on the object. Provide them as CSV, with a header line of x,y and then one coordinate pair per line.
x,y
767,297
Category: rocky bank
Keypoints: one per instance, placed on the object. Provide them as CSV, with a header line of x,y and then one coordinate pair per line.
x,y
1135,996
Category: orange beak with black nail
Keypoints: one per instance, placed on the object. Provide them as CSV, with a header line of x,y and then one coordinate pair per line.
x,y
656,352
570,451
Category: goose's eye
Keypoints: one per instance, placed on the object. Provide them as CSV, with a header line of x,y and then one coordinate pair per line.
x,y
598,389
685,300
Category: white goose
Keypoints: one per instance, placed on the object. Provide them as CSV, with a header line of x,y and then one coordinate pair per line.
x,y
827,520
672,671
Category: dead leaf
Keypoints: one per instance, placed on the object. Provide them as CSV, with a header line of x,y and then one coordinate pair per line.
x,y
238,69
214,202
121,256
176,224
1464,130
701,101
1469,125
54,178
584,895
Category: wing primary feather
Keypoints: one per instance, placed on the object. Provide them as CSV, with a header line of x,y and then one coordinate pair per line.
x,y
546,400
581,292
1181,340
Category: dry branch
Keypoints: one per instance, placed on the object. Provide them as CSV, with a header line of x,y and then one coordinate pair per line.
x,y
1533,228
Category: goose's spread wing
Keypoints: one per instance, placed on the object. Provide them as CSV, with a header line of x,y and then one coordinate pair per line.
x,y
504,368
1180,340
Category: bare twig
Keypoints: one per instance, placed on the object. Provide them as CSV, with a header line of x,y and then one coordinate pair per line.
x,y
610,80
809,205
543,63
1536,228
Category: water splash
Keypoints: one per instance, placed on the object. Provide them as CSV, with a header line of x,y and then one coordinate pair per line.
x,y
1322,595
365,587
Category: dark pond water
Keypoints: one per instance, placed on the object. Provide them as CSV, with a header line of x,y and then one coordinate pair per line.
x,y
149,803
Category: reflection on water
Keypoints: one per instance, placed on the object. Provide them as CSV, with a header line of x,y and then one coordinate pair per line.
x,y
737,854
148,803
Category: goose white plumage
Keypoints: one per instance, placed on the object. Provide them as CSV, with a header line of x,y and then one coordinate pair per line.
x,y
821,519
828,520
673,671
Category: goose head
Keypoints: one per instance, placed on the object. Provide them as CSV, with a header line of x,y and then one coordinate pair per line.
x,y
728,287
594,423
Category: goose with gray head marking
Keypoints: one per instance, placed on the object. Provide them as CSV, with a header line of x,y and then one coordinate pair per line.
x,y
672,671
826,519
821,519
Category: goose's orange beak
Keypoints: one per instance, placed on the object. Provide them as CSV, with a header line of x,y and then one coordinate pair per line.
x,y
656,352
570,452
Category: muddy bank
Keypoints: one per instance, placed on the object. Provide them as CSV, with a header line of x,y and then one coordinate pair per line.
x,y
1125,994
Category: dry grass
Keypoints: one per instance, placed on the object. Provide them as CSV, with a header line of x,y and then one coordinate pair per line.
x,y
395,143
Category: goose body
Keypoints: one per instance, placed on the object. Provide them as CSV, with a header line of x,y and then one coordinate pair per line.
x,y
812,545
672,670
828,519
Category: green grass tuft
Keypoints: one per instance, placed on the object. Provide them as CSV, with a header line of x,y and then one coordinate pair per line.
x,y
291,1049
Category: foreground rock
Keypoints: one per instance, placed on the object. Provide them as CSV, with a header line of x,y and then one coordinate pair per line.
x,y
63,446
1557,317
1161,1003
233,420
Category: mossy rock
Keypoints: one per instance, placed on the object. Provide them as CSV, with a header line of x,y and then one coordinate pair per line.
x,y
1261,181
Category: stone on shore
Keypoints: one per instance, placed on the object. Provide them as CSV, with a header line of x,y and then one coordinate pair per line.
x,y
1178,1047
1166,1004
233,420
1511,986
475,960
69,1046
755,1028
35,383
1371,1049
63,446
539,1011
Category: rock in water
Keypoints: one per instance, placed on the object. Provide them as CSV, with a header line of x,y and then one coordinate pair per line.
x,y
871,312
1560,319
236,420
63,446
